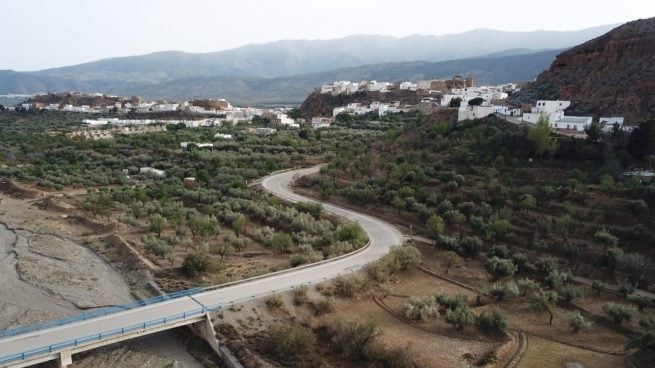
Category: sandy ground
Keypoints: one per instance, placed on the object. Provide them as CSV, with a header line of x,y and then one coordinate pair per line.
x,y
44,274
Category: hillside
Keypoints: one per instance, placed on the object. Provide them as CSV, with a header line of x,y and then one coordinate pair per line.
x,y
294,89
613,74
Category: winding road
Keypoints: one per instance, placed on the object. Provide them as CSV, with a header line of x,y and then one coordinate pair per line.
x,y
382,237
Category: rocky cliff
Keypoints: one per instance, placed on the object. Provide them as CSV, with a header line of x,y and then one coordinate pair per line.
x,y
613,74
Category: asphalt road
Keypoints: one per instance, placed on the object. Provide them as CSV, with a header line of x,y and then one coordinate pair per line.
x,y
381,234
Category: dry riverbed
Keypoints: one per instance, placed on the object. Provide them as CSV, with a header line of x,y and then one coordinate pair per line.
x,y
46,274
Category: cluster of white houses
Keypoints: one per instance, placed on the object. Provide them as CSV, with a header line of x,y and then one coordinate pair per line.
x,y
554,112
436,85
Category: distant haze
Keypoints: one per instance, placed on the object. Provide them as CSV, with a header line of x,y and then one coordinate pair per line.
x,y
44,34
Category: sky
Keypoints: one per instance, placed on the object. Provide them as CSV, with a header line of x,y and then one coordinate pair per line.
x,y
39,34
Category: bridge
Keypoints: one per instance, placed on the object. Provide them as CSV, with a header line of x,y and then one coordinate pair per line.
x,y
59,340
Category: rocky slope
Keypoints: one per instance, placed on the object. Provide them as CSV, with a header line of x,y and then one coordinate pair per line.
x,y
613,74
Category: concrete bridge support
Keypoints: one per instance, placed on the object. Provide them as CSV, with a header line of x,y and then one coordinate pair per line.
x,y
65,359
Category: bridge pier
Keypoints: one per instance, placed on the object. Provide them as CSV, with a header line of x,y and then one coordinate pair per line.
x,y
65,359
205,329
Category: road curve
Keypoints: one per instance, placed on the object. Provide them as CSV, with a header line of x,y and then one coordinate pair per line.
x,y
382,237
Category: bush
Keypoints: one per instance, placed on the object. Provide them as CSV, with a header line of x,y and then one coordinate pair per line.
x,y
499,251
557,279
323,306
281,242
492,322
501,291
353,340
618,312
399,259
599,286
353,233
421,308
640,301
195,264
300,295
577,322
526,285
499,228
625,289
452,302
570,292
460,317
286,341
448,243
347,287
605,238
520,260
546,265
274,302
499,267
470,245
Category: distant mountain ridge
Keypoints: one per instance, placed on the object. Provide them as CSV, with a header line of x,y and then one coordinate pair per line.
x,y
611,75
160,72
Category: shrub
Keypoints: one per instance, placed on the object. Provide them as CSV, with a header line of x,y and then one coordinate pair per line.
x,y
570,292
399,259
492,322
300,295
448,243
347,287
577,322
450,259
353,233
499,267
618,312
499,228
323,306
605,238
625,289
274,302
599,286
460,317
507,290
353,340
526,285
499,251
435,226
520,260
470,245
281,242
286,341
640,301
557,279
195,264
421,308
546,265
451,302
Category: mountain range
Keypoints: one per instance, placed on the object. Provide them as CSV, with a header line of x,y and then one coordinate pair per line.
x,y
259,72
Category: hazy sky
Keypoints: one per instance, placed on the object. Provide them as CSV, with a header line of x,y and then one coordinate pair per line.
x,y
41,34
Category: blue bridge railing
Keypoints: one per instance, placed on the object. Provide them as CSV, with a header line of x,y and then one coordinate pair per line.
x,y
105,334
95,313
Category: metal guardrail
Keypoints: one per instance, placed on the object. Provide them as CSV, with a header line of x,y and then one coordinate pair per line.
x,y
99,336
96,313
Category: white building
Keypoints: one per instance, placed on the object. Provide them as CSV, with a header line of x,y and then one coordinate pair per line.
x,y
321,122
152,171
408,86
468,112
507,110
607,123
223,136
577,123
